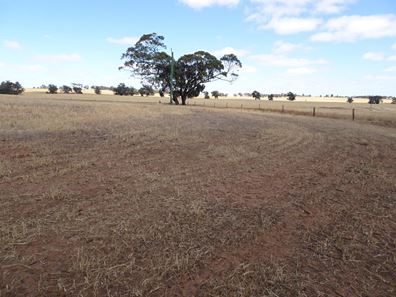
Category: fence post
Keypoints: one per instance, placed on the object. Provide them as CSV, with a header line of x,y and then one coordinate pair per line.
x,y
313,111
353,114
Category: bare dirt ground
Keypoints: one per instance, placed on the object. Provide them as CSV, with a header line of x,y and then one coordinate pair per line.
x,y
146,199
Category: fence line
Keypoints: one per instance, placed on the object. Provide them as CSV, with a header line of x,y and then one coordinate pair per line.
x,y
282,110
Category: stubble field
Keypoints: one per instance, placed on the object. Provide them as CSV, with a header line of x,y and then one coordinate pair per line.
x,y
130,198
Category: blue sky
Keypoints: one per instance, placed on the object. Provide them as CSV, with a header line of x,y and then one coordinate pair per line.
x,y
313,47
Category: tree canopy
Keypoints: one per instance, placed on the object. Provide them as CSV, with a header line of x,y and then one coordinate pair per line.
x,y
256,95
8,87
148,61
291,96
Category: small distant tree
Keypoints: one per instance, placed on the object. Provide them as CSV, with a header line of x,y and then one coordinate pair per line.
x,y
240,94
256,95
394,100
98,91
121,90
291,96
350,100
52,89
146,90
66,89
375,99
77,90
131,91
215,94
161,93
206,95
7,87
271,97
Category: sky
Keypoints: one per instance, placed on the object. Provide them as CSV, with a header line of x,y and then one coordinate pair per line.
x,y
317,47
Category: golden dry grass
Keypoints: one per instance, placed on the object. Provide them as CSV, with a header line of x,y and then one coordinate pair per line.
x,y
107,198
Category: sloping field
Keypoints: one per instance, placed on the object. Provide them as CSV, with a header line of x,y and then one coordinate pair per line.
x,y
147,199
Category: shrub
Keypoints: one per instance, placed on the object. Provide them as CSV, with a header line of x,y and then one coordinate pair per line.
x,y
98,90
7,87
206,95
271,97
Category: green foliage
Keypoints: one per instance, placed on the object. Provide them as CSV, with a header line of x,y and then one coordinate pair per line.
x,y
123,90
146,90
7,87
206,95
291,96
98,91
256,95
271,97
350,100
66,89
52,89
375,99
77,90
148,61
215,94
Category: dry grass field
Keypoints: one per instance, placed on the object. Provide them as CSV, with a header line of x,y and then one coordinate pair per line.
x,y
121,196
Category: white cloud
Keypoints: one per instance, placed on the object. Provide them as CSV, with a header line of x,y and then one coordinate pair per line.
x,y
352,28
230,50
2,65
282,61
332,6
198,4
293,16
32,68
392,58
390,69
60,58
12,44
394,46
301,70
371,56
124,40
298,7
282,47
292,25
380,77
248,69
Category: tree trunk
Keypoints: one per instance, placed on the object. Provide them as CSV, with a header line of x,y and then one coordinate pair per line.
x,y
184,99
175,100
